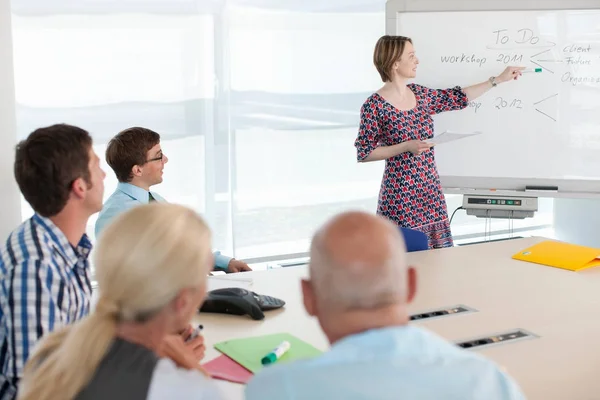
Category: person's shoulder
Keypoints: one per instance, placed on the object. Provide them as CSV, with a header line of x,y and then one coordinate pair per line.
x,y
170,381
27,244
276,381
15,234
269,384
422,93
430,91
373,98
419,89
118,198
372,103
8,258
116,203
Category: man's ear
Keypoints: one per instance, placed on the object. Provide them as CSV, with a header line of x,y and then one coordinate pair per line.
x,y
137,170
412,284
309,298
79,187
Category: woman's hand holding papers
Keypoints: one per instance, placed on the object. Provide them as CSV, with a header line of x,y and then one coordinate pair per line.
x,y
417,147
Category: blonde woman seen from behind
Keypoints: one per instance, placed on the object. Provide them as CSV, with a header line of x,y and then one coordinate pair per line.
x,y
151,266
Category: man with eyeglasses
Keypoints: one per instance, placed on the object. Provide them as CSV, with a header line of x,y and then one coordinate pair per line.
x,y
137,159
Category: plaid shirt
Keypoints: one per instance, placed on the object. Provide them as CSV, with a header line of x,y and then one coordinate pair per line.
x,y
44,284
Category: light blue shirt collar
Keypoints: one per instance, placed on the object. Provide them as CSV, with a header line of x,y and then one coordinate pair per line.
x,y
135,192
127,196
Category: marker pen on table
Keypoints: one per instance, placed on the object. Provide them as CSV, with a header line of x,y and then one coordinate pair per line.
x,y
276,353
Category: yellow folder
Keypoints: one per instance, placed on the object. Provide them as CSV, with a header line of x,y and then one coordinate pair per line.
x,y
560,255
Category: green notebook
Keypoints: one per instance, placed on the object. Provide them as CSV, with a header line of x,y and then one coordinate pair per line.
x,y
249,351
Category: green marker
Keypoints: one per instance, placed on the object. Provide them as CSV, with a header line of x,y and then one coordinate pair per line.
x,y
276,353
532,70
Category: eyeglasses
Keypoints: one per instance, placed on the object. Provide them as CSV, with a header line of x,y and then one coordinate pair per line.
x,y
159,158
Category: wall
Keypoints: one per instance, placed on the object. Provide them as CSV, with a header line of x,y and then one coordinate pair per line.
x,y
577,221
10,208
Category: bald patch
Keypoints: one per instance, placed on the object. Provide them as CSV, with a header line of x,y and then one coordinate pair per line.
x,y
358,262
357,238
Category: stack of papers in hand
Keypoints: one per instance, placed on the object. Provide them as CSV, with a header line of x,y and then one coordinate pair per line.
x,y
448,136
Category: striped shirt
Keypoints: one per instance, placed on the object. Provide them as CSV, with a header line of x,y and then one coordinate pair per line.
x,y
44,284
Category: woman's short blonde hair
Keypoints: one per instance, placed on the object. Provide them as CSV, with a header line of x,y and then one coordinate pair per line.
x,y
388,50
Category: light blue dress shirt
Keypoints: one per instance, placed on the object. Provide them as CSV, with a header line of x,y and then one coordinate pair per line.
x,y
128,196
405,362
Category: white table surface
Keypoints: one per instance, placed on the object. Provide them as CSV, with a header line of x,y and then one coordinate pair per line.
x,y
561,307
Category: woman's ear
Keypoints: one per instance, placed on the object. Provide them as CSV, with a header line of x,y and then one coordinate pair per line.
x,y
182,302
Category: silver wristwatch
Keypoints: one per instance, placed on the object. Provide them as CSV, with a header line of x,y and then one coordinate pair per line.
x,y
493,81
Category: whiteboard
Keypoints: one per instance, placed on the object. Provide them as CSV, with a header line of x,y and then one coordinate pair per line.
x,y
543,129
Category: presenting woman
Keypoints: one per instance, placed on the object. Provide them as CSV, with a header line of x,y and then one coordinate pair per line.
x,y
394,124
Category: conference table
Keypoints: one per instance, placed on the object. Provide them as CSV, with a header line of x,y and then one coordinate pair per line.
x,y
559,309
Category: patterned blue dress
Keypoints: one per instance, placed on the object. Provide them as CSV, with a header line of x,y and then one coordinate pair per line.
x,y
411,194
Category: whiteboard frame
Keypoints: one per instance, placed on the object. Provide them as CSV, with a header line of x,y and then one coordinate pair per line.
x,y
571,188
393,7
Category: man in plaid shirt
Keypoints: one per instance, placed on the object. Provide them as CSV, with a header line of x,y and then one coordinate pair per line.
x,y
44,271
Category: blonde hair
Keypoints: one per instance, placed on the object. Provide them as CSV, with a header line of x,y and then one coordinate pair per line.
x,y
143,260
388,50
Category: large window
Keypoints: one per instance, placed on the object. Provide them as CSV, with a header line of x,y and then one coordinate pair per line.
x,y
109,72
256,102
298,80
